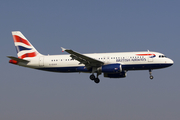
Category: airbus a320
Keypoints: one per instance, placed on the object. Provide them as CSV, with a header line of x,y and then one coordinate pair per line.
x,y
112,65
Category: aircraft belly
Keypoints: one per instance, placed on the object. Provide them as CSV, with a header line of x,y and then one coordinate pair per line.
x,y
144,66
59,69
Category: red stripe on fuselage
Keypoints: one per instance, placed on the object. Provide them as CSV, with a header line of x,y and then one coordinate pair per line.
x,y
145,54
19,39
33,54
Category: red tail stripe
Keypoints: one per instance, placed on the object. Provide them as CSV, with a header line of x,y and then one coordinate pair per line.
x,y
19,39
33,54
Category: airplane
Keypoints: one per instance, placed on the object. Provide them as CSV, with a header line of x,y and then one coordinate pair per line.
x,y
112,65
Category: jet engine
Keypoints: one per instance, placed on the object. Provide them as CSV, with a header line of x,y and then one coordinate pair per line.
x,y
110,68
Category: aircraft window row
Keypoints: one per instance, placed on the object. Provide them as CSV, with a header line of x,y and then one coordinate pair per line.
x,y
54,60
101,58
105,58
117,57
137,57
162,56
62,60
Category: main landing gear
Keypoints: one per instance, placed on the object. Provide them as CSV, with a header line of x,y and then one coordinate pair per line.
x,y
150,73
95,79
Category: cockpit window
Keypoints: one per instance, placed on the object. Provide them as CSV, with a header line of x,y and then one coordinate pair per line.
x,y
162,56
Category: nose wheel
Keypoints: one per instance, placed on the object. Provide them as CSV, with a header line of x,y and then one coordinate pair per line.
x,y
151,77
150,73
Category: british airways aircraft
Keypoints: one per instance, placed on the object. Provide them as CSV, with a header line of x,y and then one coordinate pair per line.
x,y
112,65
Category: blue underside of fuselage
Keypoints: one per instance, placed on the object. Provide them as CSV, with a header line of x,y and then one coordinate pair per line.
x,y
124,67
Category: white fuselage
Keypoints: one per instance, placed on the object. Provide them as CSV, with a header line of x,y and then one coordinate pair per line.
x,y
128,60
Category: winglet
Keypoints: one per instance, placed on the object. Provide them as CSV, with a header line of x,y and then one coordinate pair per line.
x,y
63,49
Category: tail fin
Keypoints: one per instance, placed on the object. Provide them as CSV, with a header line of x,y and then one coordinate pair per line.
x,y
23,46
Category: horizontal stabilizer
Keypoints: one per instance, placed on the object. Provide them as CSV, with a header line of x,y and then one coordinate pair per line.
x,y
18,59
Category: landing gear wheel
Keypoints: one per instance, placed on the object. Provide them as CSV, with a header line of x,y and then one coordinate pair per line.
x,y
92,77
151,77
150,73
96,80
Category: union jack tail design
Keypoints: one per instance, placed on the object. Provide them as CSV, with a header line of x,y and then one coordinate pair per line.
x,y
23,47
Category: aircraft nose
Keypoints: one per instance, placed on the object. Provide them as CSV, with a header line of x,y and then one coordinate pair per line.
x,y
169,61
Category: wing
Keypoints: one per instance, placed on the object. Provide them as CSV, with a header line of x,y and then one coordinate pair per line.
x,y
83,59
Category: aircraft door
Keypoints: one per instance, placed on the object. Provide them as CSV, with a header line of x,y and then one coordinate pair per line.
x,y
41,61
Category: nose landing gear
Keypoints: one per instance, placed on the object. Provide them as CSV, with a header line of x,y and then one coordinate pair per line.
x,y
150,73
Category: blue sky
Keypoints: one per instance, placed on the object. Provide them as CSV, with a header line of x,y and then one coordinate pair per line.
x,y
88,27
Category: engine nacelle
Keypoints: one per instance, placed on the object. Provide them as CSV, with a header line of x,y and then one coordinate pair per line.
x,y
83,69
115,75
110,68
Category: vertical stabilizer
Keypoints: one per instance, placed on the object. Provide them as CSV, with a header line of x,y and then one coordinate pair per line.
x,y
24,48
